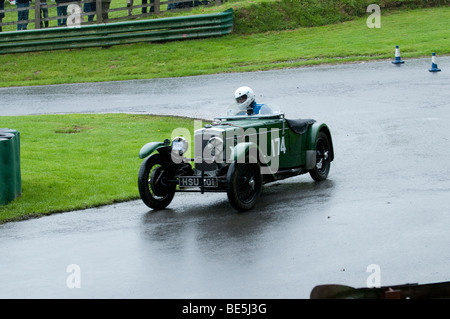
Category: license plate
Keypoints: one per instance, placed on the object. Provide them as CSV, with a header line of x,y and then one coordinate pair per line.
x,y
194,181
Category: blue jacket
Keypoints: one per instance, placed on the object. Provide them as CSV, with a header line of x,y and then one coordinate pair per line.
x,y
256,107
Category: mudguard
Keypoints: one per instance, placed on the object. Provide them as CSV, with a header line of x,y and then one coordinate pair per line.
x,y
149,148
313,132
241,150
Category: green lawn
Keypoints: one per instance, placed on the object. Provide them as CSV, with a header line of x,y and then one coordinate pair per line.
x,y
77,161
419,32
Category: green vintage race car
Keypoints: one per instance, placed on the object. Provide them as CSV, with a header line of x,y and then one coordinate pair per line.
x,y
235,154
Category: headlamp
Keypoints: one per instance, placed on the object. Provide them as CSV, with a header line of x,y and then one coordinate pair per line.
x,y
179,145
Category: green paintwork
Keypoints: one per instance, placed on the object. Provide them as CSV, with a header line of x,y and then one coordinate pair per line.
x,y
10,173
314,131
239,152
291,147
268,139
149,148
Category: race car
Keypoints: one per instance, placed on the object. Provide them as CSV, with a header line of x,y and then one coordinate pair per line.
x,y
237,155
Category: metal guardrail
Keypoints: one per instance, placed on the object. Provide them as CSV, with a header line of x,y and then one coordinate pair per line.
x,y
76,11
104,35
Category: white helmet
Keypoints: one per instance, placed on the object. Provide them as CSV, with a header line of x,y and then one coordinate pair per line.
x,y
244,97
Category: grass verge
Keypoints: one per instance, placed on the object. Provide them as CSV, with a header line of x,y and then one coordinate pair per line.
x,y
419,32
77,161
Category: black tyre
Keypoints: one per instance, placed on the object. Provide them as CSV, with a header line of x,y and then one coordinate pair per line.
x,y
155,190
244,183
323,158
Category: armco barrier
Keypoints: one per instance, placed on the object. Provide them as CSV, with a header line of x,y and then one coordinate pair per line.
x,y
10,175
176,28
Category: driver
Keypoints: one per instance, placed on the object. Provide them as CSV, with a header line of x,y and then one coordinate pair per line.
x,y
245,99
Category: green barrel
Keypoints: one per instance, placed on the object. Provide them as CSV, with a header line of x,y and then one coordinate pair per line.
x,y
10,176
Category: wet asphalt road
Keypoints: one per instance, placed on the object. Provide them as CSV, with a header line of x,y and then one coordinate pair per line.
x,y
385,202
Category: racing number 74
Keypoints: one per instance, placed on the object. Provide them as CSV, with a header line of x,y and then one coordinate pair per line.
x,y
278,147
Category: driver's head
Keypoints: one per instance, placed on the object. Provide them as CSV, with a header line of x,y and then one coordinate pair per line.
x,y
244,97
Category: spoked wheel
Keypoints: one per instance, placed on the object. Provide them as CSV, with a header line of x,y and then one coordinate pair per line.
x,y
323,158
244,183
154,188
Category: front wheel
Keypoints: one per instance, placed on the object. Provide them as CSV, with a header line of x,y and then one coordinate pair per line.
x,y
155,190
323,158
244,183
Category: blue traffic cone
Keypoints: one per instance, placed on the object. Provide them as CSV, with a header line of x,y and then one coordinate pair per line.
x,y
434,67
397,60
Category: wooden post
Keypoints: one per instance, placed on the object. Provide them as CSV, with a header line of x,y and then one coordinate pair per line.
x,y
157,8
98,10
37,14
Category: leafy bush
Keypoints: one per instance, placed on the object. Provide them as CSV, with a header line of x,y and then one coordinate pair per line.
x,y
291,14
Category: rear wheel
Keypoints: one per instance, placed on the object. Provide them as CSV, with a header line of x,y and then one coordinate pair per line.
x,y
244,183
155,190
323,159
